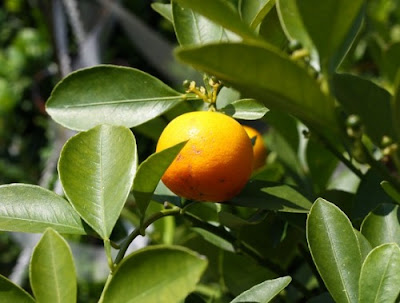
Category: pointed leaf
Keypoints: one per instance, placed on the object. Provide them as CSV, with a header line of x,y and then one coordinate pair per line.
x,y
32,209
263,292
365,246
161,274
254,11
246,109
164,10
221,12
191,28
335,250
214,239
382,225
332,27
279,82
380,275
52,270
96,169
278,197
11,293
108,94
367,100
150,172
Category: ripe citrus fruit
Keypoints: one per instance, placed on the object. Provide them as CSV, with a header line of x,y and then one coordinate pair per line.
x,y
216,162
259,150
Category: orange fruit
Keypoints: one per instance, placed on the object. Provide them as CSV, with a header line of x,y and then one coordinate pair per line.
x,y
259,149
216,162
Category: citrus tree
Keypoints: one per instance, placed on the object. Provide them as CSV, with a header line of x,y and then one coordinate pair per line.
x,y
317,221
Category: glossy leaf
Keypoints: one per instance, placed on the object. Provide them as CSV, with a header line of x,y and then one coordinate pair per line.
x,y
221,12
164,10
32,209
161,274
396,106
263,292
11,293
96,169
335,250
382,225
52,271
365,246
254,11
332,27
246,109
259,194
367,100
380,275
391,191
149,174
108,94
278,81
191,28
292,23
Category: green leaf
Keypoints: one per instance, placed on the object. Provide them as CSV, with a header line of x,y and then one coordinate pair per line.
x,y
150,172
11,293
191,28
365,246
396,106
380,275
268,76
263,292
32,209
367,100
271,30
214,239
96,169
109,94
332,27
292,24
52,270
221,12
277,197
164,10
159,274
246,109
391,61
391,191
382,225
335,250
254,11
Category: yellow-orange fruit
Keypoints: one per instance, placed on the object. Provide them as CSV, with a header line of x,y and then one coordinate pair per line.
x,y
216,162
259,149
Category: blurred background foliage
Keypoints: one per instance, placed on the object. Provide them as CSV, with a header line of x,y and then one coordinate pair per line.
x,y
42,41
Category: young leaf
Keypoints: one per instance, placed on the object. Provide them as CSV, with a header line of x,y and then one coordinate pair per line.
x,y
11,293
246,109
278,197
332,27
108,94
335,250
367,100
161,274
267,76
254,11
52,270
32,209
191,28
382,225
380,275
221,12
263,292
164,10
96,169
149,174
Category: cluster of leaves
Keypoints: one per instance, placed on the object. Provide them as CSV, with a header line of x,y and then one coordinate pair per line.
x,y
283,62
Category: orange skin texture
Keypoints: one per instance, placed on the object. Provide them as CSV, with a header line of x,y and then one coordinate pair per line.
x,y
216,162
259,149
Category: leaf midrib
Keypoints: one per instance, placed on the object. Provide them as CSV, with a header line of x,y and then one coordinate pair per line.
x,y
382,276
